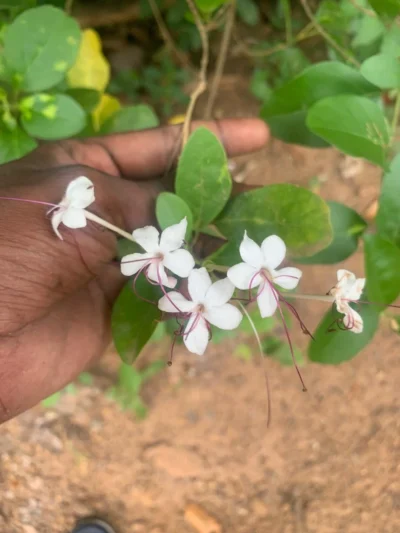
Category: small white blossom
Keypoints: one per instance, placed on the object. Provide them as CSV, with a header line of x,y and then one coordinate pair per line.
x,y
259,270
161,252
71,210
348,289
208,305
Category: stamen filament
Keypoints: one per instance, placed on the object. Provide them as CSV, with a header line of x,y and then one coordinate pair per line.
x,y
28,201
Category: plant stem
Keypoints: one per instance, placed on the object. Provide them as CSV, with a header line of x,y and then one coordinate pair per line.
x,y
287,13
261,353
202,80
396,114
223,52
326,35
317,297
166,35
108,225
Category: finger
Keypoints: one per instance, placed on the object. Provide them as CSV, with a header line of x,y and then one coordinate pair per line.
x,y
150,153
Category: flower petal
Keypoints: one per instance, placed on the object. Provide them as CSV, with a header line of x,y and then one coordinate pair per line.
x,y
219,293
156,273
356,289
199,282
224,317
353,321
274,251
147,238
74,218
180,262
250,252
196,334
175,300
267,301
288,277
80,193
242,275
172,238
132,263
56,221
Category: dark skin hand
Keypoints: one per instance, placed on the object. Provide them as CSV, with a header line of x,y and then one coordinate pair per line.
x,y
57,296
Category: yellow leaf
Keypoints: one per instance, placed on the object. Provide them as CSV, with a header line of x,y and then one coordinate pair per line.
x,y
105,109
91,70
176,119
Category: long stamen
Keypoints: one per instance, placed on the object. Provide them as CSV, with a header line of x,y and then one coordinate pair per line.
x,y
251,284
297,316
39,202
177,333
135,281
261,354
274,292
164,291
194,325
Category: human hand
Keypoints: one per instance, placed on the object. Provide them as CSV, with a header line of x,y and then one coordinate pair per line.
x,y
57,295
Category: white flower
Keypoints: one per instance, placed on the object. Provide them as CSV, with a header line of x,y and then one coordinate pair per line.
x,y
161,252
208,305
71,210
348,289
258,270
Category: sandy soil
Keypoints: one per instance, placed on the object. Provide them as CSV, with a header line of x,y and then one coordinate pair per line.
x,y
328,464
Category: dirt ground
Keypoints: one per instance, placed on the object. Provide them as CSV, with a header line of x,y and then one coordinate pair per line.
x,y
329,462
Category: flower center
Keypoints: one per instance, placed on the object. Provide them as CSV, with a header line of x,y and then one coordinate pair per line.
x,y
200,308
159,256
266,274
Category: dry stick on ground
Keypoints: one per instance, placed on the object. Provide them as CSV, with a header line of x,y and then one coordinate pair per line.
x,y
223,52
326,35
165,34
202,81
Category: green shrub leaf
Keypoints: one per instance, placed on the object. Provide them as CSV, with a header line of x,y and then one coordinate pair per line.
x,y
88,99
40,46
132,118
14,144
52,116
334,347
388,217
203,178
347,226
390,8
382,70
133,320
354,124
298,216
382,266
170,209
285,110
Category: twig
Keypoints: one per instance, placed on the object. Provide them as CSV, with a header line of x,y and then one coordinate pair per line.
x,y
223,52
68,6
287,12
396,115
202,81
362,9
326,35
165,34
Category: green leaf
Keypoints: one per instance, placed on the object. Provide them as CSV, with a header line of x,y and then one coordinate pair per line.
x,y
171,209
347,227
248,11
390,8
388,217
298,216
134,320
391,42
133,118
209,6
280,351
203,178
226,255
40,46
88,99
14,144
285,110
382,261
370,30
334,347
354,124
382,70
52,116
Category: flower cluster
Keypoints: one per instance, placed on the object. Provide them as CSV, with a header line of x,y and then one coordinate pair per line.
x,y
206,303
